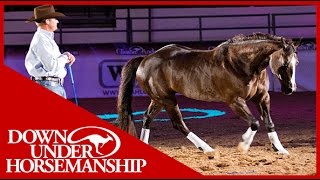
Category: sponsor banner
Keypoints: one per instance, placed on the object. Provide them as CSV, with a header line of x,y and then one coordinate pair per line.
x,y
45,136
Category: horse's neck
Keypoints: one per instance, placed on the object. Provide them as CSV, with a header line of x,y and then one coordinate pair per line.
x,y
249,59
262,56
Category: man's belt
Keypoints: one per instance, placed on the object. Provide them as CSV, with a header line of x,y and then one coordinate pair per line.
x,y
48,78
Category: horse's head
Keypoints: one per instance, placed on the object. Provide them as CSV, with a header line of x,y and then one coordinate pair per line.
x,y
283,64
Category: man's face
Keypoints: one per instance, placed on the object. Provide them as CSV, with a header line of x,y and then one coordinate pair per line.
x,y
52,23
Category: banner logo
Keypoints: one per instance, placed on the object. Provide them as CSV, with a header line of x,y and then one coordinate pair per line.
x,y
110,73
97,140
83,150
134,50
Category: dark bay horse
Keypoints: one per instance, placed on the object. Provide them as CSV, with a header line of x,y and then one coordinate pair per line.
x,y
233,72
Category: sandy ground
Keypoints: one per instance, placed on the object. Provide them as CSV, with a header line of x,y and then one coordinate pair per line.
x,y
294,117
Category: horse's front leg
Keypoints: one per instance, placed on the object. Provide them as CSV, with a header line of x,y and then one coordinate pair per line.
x,y
263,104
239,106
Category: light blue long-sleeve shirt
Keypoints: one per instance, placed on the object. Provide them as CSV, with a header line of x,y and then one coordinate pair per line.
x,y
44,57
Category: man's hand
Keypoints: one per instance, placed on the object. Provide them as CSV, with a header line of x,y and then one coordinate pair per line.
x,y
71,57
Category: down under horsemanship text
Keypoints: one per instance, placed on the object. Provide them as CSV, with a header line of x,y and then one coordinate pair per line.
x,y
52,152
75,166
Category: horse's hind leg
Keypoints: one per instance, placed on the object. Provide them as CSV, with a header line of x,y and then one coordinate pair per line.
x,y
239,106
153,109
262,101
178,123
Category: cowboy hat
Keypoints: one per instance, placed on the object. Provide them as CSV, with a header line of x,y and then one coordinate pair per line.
x,y
44,12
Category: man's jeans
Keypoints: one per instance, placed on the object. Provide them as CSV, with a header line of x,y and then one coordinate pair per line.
x,y
54,87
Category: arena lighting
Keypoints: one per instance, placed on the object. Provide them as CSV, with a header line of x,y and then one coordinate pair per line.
x,y
207,113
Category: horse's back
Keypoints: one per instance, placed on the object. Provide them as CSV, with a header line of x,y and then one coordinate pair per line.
x,y
169,56
174,57
176,69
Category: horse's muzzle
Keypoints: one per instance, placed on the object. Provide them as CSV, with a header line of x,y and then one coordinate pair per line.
x,y
287,91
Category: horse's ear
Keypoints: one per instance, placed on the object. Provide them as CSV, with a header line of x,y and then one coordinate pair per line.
x,y
283,41
297,43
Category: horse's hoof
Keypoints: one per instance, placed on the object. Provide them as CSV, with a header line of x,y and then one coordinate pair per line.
x,y
207,150
243,147
280,150
215,154
283,151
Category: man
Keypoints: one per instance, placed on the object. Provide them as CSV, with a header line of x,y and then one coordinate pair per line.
x,y
44,61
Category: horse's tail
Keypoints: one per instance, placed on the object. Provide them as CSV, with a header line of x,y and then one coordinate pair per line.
x,y
124,108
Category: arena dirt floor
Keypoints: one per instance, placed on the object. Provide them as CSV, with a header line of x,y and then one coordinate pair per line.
x,y
294,117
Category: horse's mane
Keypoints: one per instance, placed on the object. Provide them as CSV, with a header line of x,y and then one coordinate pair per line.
x,y
255,36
